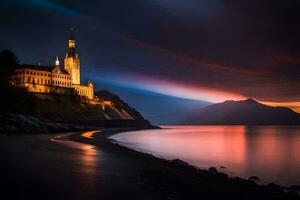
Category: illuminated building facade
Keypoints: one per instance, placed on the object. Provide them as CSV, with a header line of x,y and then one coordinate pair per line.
x,y
54,79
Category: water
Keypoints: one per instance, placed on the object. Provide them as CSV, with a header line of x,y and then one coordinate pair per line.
x,y
270,152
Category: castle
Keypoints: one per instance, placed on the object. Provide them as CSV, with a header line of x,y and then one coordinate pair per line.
x,y
54,79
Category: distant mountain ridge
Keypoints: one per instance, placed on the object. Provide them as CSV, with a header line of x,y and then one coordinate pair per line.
x,y
245,112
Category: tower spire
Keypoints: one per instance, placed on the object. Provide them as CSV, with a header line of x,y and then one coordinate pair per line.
x,y
57,61
72,33
72,40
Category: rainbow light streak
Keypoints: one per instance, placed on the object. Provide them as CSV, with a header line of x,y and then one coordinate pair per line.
x,y
180,90
170,88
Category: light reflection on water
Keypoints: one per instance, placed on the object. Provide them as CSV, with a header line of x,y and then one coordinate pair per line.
x,y
85,157
269,152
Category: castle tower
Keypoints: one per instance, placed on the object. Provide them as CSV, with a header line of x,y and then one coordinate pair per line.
x,y
72,62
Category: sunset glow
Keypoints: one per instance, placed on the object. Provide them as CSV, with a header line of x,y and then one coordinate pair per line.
x,y
295,106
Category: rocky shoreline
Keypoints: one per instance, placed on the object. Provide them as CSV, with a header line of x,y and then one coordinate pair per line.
x,y
177,179
11,123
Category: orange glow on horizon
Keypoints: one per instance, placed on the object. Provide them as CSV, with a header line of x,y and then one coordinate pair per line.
x,y
295,106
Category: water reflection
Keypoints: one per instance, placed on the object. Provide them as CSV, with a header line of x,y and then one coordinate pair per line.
x,y
89,134
270,152
85,157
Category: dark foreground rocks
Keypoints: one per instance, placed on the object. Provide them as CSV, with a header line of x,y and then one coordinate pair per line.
x,y
16,123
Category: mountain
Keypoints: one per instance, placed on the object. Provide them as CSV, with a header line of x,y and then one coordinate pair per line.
x,y
246,112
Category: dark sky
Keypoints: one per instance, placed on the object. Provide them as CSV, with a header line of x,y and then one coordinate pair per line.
x,y
203,50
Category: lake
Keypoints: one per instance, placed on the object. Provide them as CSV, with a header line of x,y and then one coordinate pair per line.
x,y
270,152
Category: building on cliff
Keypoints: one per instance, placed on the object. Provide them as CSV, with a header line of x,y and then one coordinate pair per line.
x,y
54,79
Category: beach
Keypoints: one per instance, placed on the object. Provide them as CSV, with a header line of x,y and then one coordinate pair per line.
x,y
90,166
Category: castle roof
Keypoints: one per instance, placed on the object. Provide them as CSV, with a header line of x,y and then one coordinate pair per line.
x,y
40,68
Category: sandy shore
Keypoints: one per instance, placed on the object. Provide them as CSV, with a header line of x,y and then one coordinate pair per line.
x,y
156,178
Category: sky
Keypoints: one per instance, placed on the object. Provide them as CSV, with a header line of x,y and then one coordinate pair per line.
x,y
155,53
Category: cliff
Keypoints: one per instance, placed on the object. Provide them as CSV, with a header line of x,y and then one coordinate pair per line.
x,y
61,108
119,104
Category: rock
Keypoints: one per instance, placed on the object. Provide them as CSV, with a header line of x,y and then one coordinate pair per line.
x,y
294,187
222,175
254,178
10,128
275,188
180,162
16,123
212,171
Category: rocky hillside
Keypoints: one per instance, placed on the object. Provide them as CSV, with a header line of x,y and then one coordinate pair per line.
x,y
119,104
67,108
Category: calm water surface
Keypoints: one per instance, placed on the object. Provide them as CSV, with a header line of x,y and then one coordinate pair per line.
x,y
269,152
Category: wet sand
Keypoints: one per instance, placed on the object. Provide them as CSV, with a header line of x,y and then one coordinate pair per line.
x,y
91,167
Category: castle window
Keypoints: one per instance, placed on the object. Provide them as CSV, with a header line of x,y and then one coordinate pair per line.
x,y
33,73
38,74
